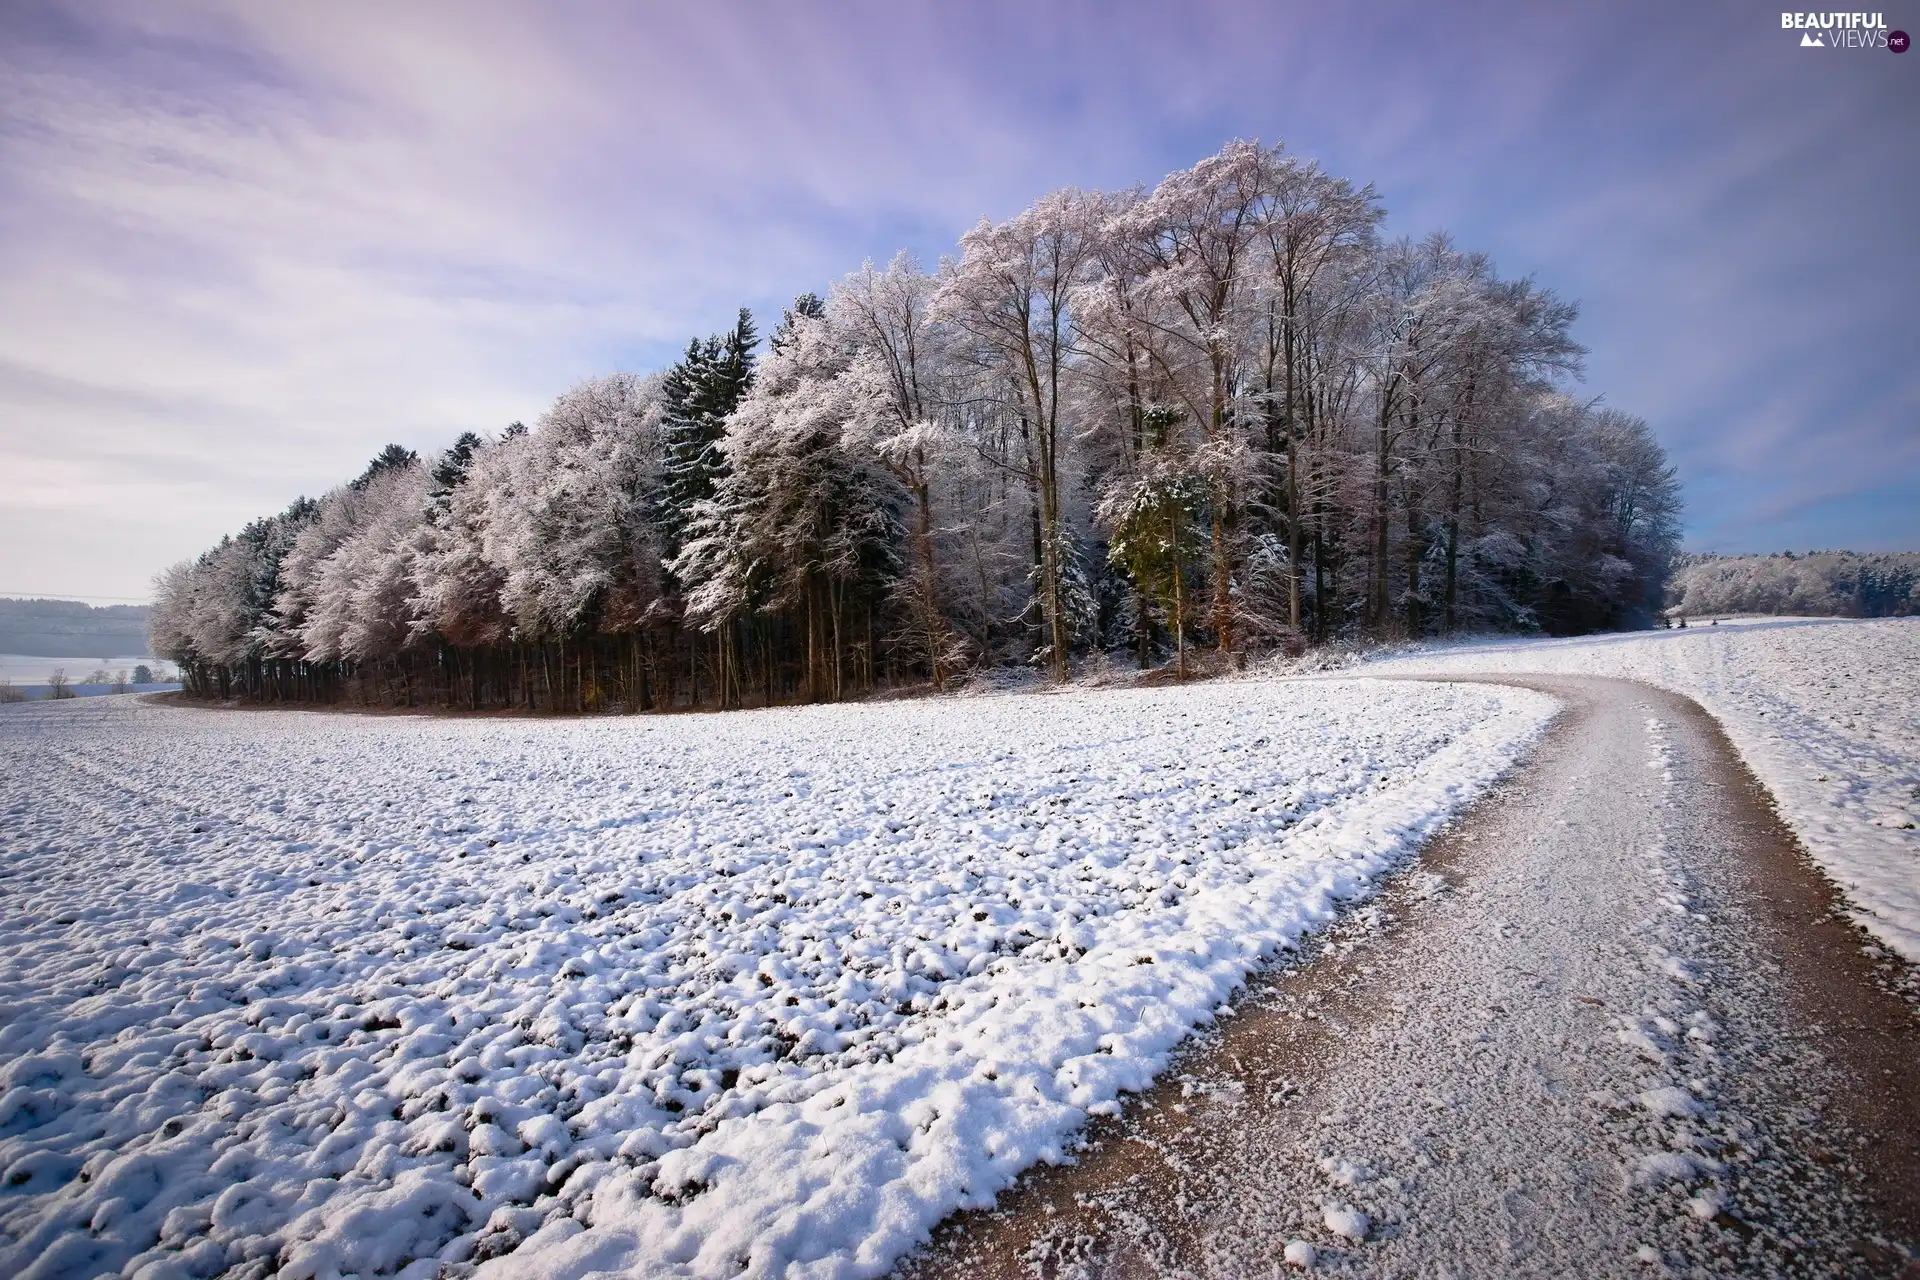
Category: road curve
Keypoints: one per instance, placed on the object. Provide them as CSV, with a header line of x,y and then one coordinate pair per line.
x,y
1610,1024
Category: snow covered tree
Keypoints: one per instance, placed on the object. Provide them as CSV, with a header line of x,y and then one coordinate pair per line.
x,y
1314,232
1196,234
1843,584
1153,522
358,608
1216,411
700,393
903,350
392,458
804,522
1011,292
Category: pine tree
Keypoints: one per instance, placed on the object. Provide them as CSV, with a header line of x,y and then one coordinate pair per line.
x,y
702,391
807,306
453,466
733,371
391,458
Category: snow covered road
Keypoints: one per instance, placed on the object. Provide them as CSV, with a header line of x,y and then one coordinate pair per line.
x,y
313,995
1609,1027
1826,711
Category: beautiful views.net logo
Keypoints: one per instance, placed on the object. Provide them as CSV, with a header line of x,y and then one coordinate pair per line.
x,y
1844,31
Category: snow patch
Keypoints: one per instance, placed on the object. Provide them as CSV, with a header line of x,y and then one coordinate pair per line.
x,y
1669,1101
1345,1221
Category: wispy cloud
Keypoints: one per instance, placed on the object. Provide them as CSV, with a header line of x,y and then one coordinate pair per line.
x,y
242,246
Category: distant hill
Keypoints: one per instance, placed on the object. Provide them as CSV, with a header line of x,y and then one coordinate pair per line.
x,y
68,629
1836,584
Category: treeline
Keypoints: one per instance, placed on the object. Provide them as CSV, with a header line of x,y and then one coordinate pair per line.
x,y
1823,584
64,628
1174,425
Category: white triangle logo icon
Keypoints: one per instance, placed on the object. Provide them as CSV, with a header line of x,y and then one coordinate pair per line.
x,y
1812,41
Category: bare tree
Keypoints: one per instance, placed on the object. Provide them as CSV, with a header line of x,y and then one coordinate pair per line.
x,y
1012,292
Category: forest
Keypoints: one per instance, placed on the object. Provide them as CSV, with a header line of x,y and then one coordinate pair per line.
x,y
1818,584
1170,427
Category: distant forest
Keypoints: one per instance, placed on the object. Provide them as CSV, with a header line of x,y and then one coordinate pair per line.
x,y
1836,584
1172,426
68,629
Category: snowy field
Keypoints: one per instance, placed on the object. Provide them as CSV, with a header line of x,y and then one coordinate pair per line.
x,y
33,691
1825,711
26,668
771,992
28,674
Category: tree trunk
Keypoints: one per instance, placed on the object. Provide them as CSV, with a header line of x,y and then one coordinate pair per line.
x,y
1455,490
1377,605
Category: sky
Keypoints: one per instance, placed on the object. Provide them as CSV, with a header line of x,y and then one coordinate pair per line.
x,y
244,246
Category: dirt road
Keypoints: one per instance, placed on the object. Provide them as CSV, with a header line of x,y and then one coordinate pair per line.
x,y
1609,1025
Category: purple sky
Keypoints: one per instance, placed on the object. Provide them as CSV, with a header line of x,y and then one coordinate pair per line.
x,y
243,246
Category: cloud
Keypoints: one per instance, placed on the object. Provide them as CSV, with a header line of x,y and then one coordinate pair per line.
x,y
244,246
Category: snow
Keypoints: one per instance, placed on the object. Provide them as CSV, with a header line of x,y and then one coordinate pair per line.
x,y
1670,1101
1825,712
26,668
32,692
1346,1221
1452,1065
692,995
28,674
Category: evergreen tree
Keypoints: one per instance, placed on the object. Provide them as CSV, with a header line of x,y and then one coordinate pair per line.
x,y
391,458
273,539
453,466
701,393
807,306
733,371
